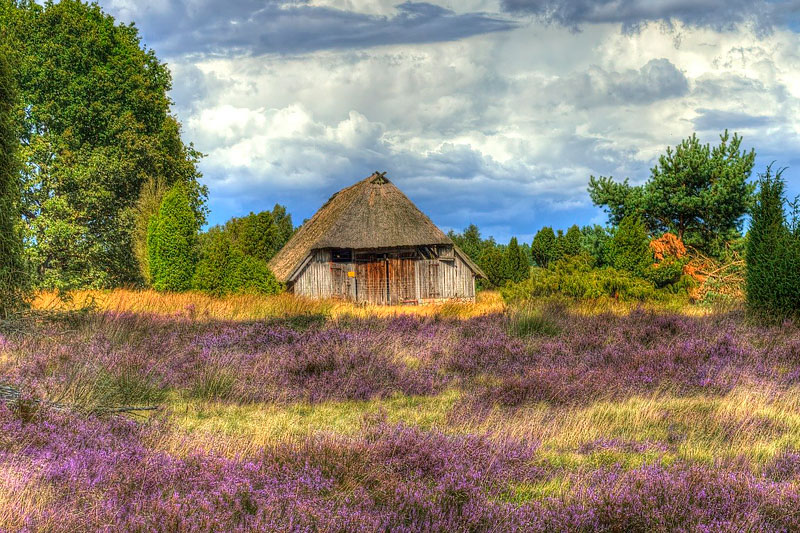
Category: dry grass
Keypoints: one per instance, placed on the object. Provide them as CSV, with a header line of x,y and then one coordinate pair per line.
x,y
250,306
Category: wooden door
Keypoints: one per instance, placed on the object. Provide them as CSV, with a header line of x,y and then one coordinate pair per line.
x,y
402,282
341,283
371,282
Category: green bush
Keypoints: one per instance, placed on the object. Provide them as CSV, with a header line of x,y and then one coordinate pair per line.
x,y
543,248
515,264
224,269
630,247
172,243
576,278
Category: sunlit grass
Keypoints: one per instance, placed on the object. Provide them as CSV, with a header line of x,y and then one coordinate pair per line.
x,y
242,428
251,306
747,423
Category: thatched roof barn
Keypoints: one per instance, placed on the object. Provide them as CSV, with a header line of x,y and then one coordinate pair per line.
x,y
370,243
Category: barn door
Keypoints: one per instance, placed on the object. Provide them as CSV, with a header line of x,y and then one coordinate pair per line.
x,y
341,283
402,282
372,282
429,279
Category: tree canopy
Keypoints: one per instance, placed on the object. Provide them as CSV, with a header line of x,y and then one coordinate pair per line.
x,y
696,191
96,125
12,269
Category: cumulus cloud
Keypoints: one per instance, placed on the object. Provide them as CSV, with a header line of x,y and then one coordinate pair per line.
x,y
632,14
501,129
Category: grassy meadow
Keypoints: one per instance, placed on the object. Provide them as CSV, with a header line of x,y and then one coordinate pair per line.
x,y
278,414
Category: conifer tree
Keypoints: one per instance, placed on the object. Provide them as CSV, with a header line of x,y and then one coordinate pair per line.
x,y
773,252
543,247
572,241
172,242
491,263
515,265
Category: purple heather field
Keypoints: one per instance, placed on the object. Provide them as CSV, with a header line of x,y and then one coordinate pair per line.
x,y
553,421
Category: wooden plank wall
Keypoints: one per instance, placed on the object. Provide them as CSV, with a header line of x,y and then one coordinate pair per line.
x,y
409,280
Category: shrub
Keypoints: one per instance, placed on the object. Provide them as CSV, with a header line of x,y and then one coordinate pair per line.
x,y
571,243
630,247
576,278
172,242
224,269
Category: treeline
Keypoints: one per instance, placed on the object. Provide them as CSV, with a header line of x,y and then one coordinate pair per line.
x,y
224,260
97,188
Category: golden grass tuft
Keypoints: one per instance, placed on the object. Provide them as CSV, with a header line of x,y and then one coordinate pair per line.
x,y
250,306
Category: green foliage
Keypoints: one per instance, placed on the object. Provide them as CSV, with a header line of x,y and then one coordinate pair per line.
x,y
773,252
543,248
698,192
491,262
261,235
224,269
515,264
575,277
96,123
146,207
596,241
172,242
571,243
668,272
630,247
469,241
13,275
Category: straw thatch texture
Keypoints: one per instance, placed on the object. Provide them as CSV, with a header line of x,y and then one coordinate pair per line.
x,y
372,214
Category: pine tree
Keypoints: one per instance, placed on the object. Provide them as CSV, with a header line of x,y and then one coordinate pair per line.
x,y
172,243
12,272
543,247
630,247
515,265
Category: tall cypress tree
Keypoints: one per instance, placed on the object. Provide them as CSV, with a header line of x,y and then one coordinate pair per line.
x,y
515,265
543,247
172,243
12,271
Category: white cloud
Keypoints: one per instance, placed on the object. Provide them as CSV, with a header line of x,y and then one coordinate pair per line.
x,y
502,129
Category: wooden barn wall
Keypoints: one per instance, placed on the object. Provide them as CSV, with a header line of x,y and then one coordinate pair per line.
x,y
409,280
444,279
322,279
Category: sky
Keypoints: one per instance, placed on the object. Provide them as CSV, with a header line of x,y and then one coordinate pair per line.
x,y
492,112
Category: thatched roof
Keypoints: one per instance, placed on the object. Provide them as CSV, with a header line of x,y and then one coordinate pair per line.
x,y
373,213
